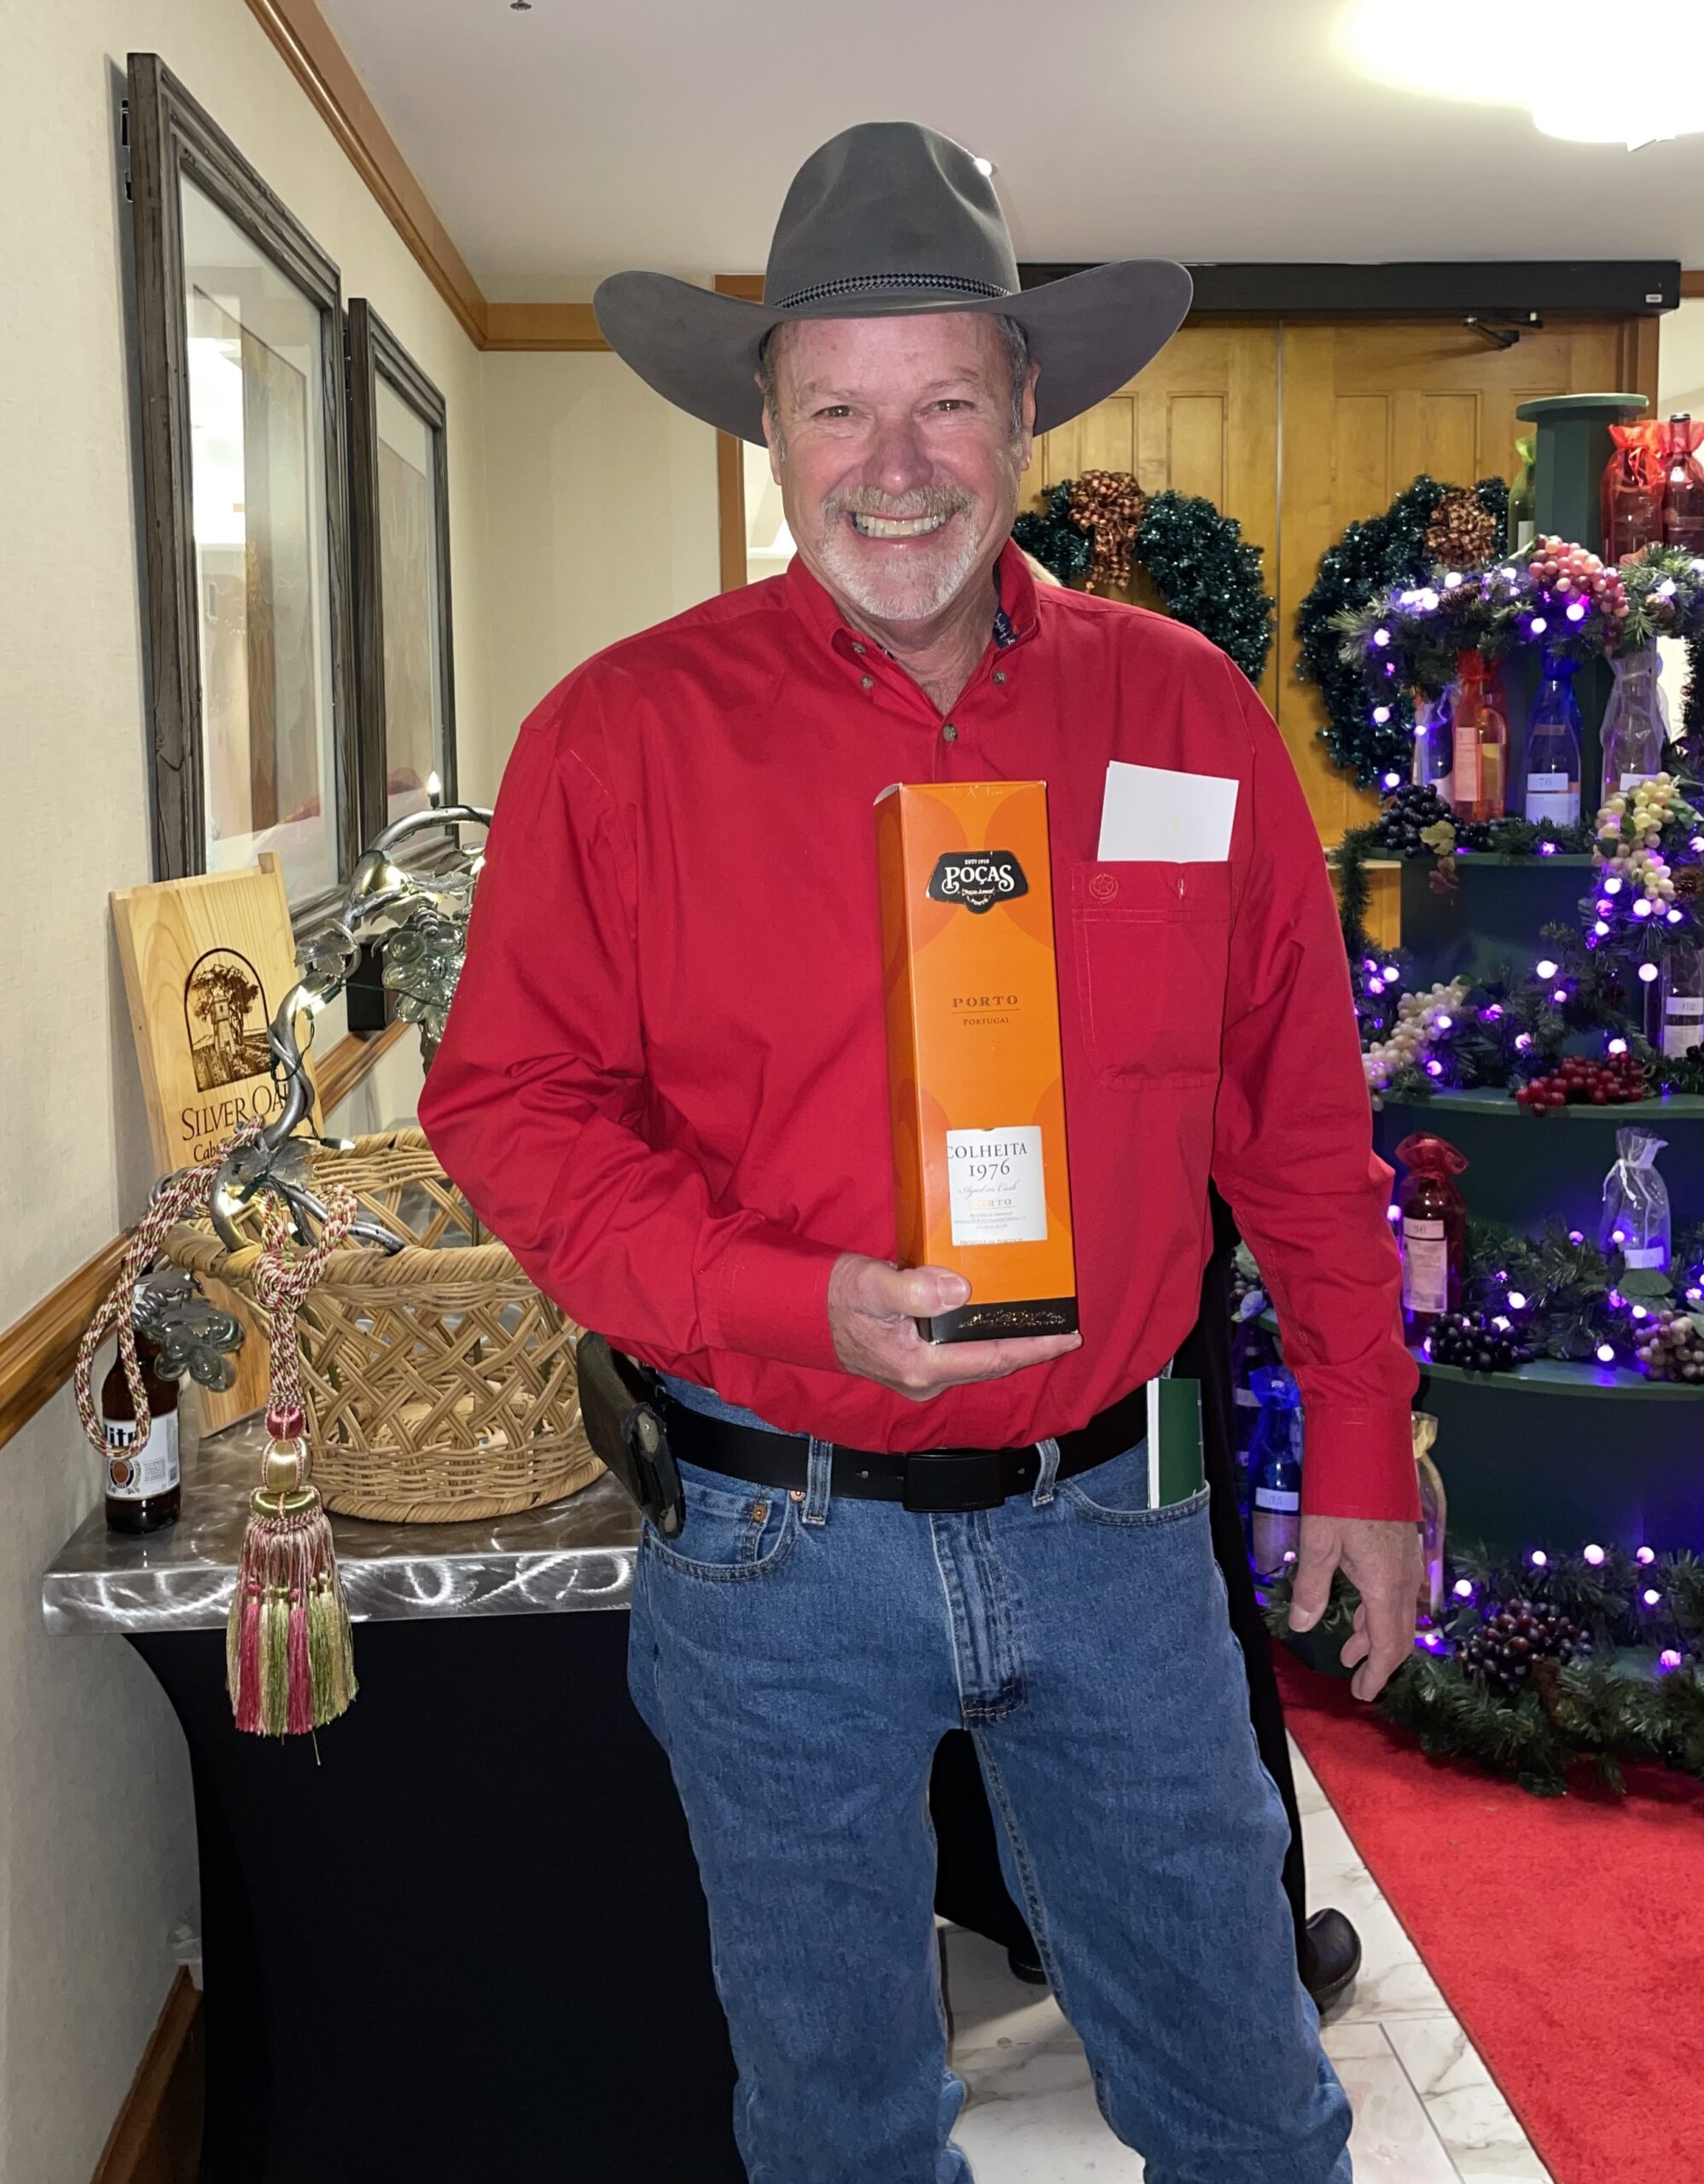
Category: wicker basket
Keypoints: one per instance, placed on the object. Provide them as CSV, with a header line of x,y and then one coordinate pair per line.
x,y
440,1384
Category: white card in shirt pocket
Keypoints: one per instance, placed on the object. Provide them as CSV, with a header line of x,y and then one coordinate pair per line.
x,y
1151,813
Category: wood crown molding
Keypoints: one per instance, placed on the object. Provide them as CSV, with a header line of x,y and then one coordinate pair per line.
x,y
158,2133
323,70
542,325
319,64
38,1352
1691,284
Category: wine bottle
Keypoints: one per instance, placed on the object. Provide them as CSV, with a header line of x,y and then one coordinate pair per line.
x,y
1553,737
144,1489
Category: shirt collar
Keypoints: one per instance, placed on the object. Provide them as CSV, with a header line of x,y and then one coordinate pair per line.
x,y
1014,603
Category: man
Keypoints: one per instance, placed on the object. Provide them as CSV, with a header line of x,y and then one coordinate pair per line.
x,y
663,1082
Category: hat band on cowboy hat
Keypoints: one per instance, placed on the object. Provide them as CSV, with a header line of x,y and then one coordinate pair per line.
x,y
948,283
896,195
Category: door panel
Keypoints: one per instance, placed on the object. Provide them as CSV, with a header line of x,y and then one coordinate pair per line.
x,y
1201,419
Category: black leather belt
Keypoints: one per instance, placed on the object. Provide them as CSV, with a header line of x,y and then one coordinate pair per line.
x,y
934,1480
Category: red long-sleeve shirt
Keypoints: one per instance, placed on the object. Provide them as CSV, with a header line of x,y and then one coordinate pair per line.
x,y
664,1079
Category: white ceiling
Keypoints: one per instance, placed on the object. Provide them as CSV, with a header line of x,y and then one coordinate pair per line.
x,y
582,136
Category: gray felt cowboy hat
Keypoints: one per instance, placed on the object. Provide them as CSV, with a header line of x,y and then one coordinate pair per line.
x,y
890,218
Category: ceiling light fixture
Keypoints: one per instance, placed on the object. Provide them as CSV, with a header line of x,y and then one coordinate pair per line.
x,y
1553,72
983,166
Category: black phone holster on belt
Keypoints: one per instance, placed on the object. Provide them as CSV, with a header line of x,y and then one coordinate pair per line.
x,y
618,1407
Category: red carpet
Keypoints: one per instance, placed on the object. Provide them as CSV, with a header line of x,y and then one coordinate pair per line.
x,y
1566,1933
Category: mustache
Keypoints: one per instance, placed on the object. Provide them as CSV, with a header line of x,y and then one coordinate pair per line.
x,y
929,500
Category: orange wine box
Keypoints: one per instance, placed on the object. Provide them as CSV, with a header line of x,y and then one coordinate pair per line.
x,y
976,1089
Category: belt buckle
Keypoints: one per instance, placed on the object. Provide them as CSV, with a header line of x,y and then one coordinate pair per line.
x,y
942,1482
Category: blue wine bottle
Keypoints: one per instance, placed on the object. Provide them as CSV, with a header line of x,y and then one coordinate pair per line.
x,y
1275,1466
1553,739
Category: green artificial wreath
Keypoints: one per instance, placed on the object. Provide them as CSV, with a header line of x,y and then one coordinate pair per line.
x,y
1386,549
1198,561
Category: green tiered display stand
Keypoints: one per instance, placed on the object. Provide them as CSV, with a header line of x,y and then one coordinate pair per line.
x,y
1554,1453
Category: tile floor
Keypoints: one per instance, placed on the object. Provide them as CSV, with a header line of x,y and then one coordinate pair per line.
x,y
1426,2111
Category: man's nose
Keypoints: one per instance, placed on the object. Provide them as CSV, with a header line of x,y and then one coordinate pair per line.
x,y
898,462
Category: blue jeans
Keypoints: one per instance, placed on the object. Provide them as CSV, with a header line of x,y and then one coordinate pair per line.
x,y
799,1658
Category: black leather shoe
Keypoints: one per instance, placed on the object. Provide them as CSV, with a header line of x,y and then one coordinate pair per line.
x,y
1023,1962
1330,1957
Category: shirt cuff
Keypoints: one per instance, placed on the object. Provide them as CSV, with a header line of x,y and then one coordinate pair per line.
x,y
1359,1463
768,1295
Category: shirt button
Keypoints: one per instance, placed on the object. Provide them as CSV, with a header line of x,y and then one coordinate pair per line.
x,y
866,682
999,674
949,734
857,647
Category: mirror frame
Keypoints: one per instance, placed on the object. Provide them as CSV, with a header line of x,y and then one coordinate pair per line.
x,y
172,136
376,353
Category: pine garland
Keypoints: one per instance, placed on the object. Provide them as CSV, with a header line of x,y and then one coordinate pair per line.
x,y
1638,1699
1355,889
1206,573
1387,549
1567,1284
1692,710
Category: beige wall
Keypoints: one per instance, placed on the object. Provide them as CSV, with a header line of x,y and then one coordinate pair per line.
x,y
603,517
96,1842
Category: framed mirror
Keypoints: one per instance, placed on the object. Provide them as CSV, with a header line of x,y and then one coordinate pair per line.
x,y
399,530
238,326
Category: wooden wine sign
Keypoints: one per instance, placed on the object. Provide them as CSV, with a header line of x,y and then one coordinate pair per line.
x,y
206,962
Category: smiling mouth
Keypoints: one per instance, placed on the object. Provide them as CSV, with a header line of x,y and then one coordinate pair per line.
x,y
890,526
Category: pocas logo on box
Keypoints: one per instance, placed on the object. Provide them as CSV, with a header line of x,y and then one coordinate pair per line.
x,y
977,879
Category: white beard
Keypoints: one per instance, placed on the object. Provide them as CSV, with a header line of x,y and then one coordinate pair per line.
x,y
922,589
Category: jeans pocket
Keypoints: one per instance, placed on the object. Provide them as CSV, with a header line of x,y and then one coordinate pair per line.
x,y
732,1530
1116,1493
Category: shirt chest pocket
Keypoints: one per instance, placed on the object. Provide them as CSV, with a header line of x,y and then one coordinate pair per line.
x,y
1152,945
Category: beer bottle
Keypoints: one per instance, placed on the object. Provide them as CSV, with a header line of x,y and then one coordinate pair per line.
x,y
144,1488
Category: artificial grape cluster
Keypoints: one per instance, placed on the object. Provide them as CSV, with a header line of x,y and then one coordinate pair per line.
x,y
1630,830
1559,566
1405,815
1422,1019
1244,1285
1472,1344
1506,1645
1579,1082
1674,1348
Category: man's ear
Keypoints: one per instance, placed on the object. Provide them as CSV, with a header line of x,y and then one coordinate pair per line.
x,y
1027,433
772,438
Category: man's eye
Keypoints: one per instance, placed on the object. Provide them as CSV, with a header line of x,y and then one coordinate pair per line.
x,y
835,409
952,402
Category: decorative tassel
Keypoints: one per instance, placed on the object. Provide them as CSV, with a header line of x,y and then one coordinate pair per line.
x,y
289,1651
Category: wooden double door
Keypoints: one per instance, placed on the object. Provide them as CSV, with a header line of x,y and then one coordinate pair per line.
x,y
1297,427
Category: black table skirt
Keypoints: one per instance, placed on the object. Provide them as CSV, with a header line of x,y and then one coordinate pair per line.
x,y
465,1939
